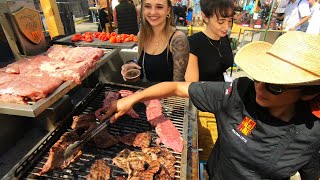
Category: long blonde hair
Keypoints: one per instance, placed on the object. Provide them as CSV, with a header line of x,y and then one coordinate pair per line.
x,y
146,32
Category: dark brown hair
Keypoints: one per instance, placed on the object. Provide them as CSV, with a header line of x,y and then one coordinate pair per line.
x,y
217,7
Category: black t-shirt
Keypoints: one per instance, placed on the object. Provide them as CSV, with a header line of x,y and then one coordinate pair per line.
x,y
251,143
158,68
211,65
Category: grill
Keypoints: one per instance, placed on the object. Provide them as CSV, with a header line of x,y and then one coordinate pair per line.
x,y
177,109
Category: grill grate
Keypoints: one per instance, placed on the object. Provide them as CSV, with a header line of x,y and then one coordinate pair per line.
x,y
173,108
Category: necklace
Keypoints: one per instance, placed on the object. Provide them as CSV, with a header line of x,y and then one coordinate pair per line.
x,y
218,48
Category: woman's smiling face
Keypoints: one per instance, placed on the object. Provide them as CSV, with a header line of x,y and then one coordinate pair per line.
x,y
156,11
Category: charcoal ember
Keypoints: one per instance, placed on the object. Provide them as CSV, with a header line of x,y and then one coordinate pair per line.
x,y
142,140
83,121
99,171
56,154
103,139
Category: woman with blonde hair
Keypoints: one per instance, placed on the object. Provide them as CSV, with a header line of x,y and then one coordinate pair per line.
x,y
163,51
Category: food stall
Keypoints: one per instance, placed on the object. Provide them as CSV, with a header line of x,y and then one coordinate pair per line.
x,y
51,116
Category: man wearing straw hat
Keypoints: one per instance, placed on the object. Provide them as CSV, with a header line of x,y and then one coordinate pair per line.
x,y
269,127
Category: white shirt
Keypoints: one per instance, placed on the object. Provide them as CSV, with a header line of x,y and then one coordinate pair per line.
x,y
314,22
293,13
114,3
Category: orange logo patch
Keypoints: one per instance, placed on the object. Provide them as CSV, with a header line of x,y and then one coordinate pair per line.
x,y
315,106
247,126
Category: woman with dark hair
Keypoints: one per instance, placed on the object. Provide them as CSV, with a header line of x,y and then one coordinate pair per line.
x,y
210,52
162,49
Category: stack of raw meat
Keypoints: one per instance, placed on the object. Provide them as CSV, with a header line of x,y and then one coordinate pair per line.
x,y
33,78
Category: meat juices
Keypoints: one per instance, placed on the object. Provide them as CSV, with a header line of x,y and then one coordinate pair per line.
x,y
99,171
56,154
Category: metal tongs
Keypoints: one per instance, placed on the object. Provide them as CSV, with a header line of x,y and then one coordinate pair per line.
x,y
77,145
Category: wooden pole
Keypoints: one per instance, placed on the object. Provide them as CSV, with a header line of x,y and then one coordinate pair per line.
x,y
53,20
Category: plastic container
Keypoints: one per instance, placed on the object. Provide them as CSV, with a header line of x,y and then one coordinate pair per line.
x,y
132,75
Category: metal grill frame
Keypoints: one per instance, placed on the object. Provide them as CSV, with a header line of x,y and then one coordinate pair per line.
x,y
188,158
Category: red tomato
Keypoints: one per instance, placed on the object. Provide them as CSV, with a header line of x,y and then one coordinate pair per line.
x,y
126,39
89,39
113,34
113,39
135,39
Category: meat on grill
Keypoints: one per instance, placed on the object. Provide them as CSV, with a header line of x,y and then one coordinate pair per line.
x,y
132,113
99,170
103,139
141,140
56,154
120,178
83,121
121,159
150,163
109,97
167,132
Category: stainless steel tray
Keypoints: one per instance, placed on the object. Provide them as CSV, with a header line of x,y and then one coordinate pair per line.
x,y
34,109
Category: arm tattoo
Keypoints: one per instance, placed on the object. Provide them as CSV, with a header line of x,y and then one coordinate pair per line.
x,y
180,55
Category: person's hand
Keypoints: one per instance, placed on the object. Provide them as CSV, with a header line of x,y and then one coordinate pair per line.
x,y
127,67
292,28
116,109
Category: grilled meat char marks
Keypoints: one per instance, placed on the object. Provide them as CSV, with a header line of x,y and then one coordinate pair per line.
x,y
150,163
56,154
141,140
99,171
103,139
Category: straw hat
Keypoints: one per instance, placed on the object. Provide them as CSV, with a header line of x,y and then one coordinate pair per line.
x,y
293,59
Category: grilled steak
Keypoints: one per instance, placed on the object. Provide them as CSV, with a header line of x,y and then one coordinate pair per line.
x,y
56,154
120,178
167,132
103,139
142,140
121,160
83,121
99,171
153,162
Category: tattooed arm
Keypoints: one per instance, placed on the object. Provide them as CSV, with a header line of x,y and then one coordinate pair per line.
x,y
179,48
